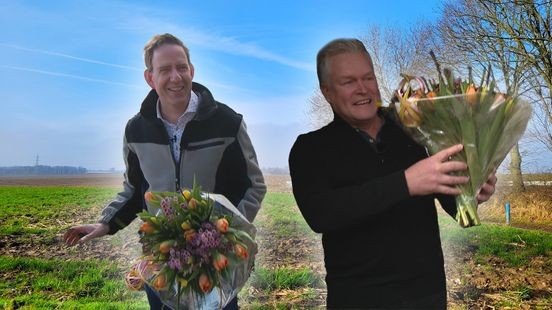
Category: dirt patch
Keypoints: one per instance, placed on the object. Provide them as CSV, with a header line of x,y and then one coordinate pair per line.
x,y
278,183
292,252
122,248
91,179
494,285
275,182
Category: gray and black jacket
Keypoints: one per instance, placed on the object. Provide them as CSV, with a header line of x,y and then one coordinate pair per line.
x,y
215,149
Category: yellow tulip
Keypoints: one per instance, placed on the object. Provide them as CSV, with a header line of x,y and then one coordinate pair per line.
x,y
186,194
186,225
183,282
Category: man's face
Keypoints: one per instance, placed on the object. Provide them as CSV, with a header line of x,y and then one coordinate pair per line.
x,y
171,75
351,88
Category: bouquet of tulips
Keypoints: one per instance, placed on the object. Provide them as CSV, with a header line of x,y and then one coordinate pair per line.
x,y
452,111
198,249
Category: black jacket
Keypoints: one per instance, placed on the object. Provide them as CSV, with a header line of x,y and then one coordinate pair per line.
x,y
215,150
380,244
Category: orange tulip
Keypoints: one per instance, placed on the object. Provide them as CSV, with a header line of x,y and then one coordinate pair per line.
x,y
204,283
189,235
165,246
148,196
192,204
147,228
471,94
241,251
220,262
222,225
160,282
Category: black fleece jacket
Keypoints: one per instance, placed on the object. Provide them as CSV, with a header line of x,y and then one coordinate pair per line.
x,y
381,245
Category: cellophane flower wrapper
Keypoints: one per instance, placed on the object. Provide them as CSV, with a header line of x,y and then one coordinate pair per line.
x,y
179,265
488,124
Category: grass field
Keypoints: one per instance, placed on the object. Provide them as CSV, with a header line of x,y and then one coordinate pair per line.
x,y
491,266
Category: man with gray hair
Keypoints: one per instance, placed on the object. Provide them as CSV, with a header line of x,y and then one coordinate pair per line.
x,y
180,134
369,190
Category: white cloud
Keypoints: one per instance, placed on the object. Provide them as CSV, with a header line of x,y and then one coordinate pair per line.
x,y
213,41
71,76
51,53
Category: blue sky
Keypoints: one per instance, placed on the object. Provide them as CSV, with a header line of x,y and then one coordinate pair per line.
x,y
72,70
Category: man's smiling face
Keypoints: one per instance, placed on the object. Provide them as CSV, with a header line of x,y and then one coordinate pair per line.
x,y
351,88
171,75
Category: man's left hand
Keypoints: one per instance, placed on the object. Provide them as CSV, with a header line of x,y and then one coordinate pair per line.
x,y
487,189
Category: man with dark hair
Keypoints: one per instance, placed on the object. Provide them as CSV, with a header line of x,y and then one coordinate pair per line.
x,y
180,133
370,189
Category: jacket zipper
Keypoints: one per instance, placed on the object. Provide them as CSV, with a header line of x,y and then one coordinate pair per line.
x,y
176,165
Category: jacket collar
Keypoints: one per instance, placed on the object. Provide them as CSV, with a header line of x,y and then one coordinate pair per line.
x,y
389,115
207,104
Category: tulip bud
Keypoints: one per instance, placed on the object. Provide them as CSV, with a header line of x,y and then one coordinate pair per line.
x,y
241,251
186,225
186,194
160,282
500,98
147,228
220,262
148,196
471,95
183,282
192,204
166,246
222,225
189,235
204,283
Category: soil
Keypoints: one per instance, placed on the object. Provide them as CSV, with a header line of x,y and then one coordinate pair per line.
x,y
91,179
470,285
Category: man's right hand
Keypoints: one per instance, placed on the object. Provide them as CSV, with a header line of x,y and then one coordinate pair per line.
x,y
433,174
82,233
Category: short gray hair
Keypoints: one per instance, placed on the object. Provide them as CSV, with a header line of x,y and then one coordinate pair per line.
x,y
336,47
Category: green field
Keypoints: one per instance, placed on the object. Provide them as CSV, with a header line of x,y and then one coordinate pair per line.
x,y
38,272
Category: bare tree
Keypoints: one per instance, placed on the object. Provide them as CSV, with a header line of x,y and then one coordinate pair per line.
x,y
319,111
541,132
497,32
397,51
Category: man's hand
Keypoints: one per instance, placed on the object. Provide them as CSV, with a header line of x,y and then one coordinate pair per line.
x,y
487,189
432,175
82,233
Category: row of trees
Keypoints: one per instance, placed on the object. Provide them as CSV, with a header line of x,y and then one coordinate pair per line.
x,y
514,37
41,170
